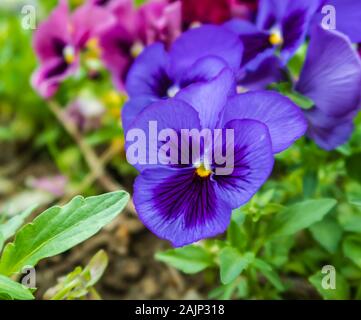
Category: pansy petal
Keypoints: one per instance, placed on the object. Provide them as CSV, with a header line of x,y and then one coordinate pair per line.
x,y
295,24
160,21
327,131
209,99
53,34
179,206
83,25
268,71
348,17
204,41
285,121
116,45
204,69
164,114
270,12
133,108
254,40
47,78
331,76
252,162
148,74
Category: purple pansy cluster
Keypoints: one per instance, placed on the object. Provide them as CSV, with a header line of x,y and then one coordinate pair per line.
x,y
212,77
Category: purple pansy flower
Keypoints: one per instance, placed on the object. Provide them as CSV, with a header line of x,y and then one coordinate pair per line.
x,y
186,203
196,56
281,25
59,40
154,21
331,77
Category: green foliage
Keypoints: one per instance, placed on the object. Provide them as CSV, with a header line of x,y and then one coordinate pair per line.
x,y
79,283
300,216
189,259
8,229
328,233
11,290
232,263
59,229
53,232
340,292
286,89
353,166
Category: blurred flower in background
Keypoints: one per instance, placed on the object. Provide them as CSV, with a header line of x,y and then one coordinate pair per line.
x,y
56,185
216,11
59,40
85,112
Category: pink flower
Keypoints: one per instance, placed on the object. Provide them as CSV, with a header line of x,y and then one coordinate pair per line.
x,y
157,20
59,40
53,184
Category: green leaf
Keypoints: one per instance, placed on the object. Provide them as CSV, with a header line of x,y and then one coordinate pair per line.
x,y
353,166
224,292
296,63
9,228
352,224
300,216
189,259
232,263
286,89
328,233
59,229
235,235
310,181
267,270
341,291
78,283
13,290
352,249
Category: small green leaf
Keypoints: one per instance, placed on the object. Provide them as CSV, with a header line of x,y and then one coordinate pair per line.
x,y
267,270
328,233
352,249
79,283
59,229
310,181
232,263
243,289
295,64
352,224
223,292
302,101
353,166
300,216
286,89
189,259
14,290
341,291
235,235
9,228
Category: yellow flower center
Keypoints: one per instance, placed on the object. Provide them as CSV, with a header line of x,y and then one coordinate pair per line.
x,y
136,49
93,47
203,172
69,54
275,38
